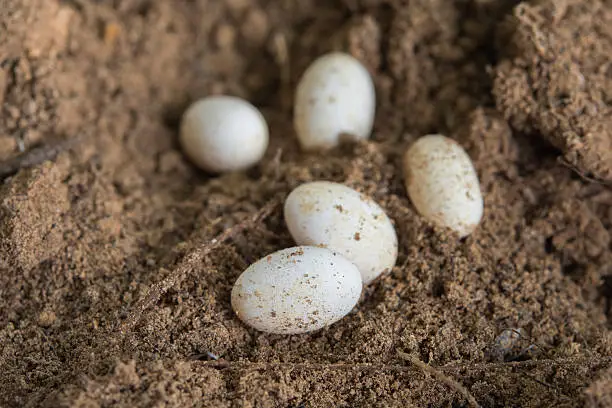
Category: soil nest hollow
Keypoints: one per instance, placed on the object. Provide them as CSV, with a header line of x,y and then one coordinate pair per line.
x,y
117,256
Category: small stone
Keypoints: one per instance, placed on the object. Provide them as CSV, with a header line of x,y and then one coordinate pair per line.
x,y
255,27
225,36
46,318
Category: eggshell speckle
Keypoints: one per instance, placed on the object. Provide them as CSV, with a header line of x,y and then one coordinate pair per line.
x,y
334,98
223,133
296,290
442,183
337,217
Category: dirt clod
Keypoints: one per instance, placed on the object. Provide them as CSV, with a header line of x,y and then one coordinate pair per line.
x,y
554,79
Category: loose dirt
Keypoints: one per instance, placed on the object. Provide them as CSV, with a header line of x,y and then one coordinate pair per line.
x,y
117,256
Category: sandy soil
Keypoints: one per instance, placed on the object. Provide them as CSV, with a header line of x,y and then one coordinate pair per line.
x,y
112,295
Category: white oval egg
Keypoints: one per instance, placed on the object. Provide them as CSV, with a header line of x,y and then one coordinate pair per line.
x,y
334,216
335,97
223,133
442,183
296,290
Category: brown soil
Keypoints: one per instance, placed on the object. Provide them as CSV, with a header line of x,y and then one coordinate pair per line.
x,y
113,295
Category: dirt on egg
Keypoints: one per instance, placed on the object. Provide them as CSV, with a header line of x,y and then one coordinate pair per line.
x,y
118,256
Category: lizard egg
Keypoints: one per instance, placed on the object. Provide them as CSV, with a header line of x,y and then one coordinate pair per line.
x,y
223,133
442,183
337,217
296,290
334,98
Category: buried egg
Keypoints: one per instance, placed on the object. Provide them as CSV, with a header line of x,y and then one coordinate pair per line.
x,y
336,217
223,133
335,98
296,290
442,183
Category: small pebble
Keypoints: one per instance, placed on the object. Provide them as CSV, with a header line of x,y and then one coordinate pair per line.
x,y
236,7
335,98
255,28
442,183
46,318
510,346
296,290
224,133
225,36
339,218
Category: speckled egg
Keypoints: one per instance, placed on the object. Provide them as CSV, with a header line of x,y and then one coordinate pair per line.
x,y
442,183
334,216
296,290
335,98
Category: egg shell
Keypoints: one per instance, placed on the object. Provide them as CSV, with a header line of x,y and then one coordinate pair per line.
x,y
335,98
296,290
334,216
223,133
442,183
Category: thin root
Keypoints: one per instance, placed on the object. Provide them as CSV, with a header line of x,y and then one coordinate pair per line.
x,y
440,377
580,173
455,368
441,373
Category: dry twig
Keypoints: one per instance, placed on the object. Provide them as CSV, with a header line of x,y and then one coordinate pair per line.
x,y
441,373
179,273
35,156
